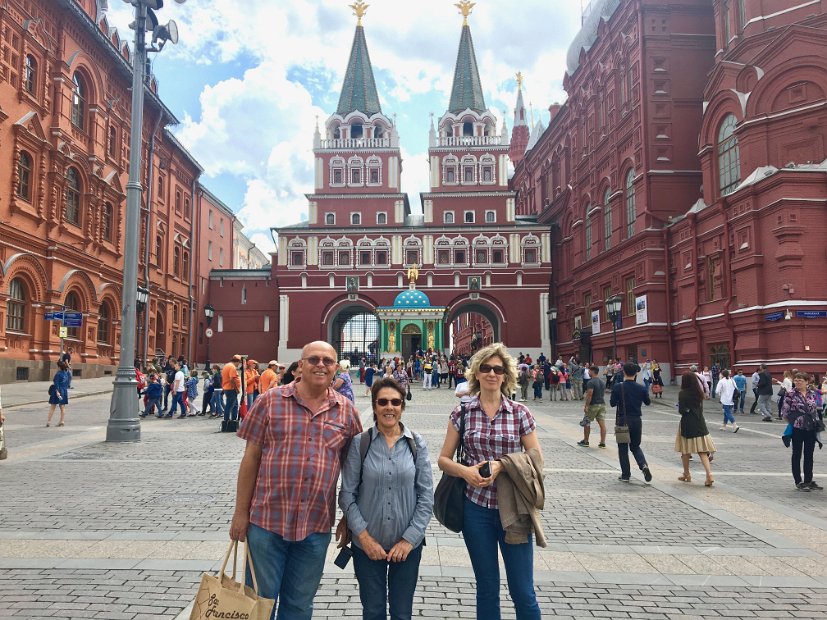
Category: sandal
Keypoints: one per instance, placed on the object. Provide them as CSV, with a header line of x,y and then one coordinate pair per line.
x,y
685,478
61,424
709,482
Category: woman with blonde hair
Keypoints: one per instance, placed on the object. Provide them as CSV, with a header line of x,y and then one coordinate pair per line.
x,y
343,383
497,432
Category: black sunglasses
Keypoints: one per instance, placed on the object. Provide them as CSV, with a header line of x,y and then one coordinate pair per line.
x,y
486,368
383,402
314,360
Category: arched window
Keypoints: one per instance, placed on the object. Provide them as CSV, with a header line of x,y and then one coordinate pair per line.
x,y
607,220
112,143
159,249
185,272
79,95
106,222
24,176
631,211
374,166
381,218
30,74
72,303
72,197
487,175
449,170
104,323
329,219
16,306
448,217
355,169
587,231
337,171
469,170
356,219
176,261
729,156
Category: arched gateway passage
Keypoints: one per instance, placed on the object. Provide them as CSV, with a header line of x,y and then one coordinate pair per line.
x,y
471,326
354,333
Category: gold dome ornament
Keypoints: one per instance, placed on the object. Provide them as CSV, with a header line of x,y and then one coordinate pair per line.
x,y
359,9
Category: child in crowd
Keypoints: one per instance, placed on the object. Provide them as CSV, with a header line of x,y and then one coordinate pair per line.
x,y
192,392
152,395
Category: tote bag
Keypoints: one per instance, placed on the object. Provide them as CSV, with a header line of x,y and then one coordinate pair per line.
x,y
622,429
221,596
449,496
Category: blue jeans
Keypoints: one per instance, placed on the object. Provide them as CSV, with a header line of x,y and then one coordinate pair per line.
x,y
741,400
217,403
177,399
152,403
288,572
483,533
230,405
729,417
381,582
635,433
251,398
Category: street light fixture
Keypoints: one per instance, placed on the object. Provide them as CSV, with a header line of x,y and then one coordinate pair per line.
x,y
142,296
124,424
613,306
552,330
209,313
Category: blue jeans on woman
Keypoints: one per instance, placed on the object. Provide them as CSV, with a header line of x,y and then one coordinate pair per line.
x,y
729,416
288,572
382,582
483,533
217,403
635,433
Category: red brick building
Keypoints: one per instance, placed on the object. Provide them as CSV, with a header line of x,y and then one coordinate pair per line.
x,y
685,173
65,76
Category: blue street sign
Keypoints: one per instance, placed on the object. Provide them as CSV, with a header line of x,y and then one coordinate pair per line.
x,y
811,314
72,316
72,322
775,316
49,316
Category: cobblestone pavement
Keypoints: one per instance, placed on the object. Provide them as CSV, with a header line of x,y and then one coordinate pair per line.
x,y
96,530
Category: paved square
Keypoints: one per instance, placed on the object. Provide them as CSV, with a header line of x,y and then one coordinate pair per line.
x,y
96,530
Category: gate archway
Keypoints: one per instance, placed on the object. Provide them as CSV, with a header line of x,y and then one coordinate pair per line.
x,y
484,329
354,333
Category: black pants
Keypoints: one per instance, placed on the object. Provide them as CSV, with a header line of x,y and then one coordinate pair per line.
x,y
635,432
803,442
755,402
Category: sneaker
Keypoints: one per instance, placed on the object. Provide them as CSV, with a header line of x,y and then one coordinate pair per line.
x,y
583,443
767,418
723,428
601,445
183,415
736,429
814,486
803,486
647,475
159,415
169,415
623,478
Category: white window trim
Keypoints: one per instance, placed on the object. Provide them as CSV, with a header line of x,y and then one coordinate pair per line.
x,y
468,160
334,218
338,162
373,163
322,264
445,216
488,161
359,215
412,248
473,217
385,213
351,165
371,258
387,250
344,248
494,218
447,162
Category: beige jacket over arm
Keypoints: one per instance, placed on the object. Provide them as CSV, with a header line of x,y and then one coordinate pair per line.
x,y
521,496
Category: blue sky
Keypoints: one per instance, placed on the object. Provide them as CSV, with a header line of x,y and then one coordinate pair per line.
x,y
249,86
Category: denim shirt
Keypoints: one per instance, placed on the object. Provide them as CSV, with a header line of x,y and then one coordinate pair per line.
x,y
396,497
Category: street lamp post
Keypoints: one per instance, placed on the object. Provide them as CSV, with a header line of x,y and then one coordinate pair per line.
x,y
142,296
124,424
613,305
552,330
209,313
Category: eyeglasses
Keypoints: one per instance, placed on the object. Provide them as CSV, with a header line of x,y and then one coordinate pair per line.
x,y
314,360
486,368
383,402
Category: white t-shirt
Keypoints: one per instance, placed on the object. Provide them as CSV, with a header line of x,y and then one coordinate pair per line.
x,y
179,381
726,390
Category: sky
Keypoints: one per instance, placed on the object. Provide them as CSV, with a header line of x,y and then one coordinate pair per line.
x,y
248,86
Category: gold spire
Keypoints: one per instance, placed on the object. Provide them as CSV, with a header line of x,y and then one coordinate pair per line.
x,y
519,80
359,9
465,7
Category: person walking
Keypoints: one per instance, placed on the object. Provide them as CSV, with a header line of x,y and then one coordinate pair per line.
x,y
764,393
657,380
217,399
59,393
231,387
270,377
402,378
178,390
286,488
169,381
427,370
726,390
192,392
594,408
537,382
387,528
786,385
154,392
693,435
523,379
741,384
799,409
496,429
715,371
754,379
251,377
628,396
646,373
576,379
370,371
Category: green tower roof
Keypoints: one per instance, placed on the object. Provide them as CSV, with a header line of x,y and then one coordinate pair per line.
x,y
467,89
359,87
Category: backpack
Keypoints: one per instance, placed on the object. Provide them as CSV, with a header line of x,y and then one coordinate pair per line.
x,y
364,447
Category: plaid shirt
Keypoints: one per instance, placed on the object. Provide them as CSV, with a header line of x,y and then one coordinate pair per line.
x,y
489,439
302,455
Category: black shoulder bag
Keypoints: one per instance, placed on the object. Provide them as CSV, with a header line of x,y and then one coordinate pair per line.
x,y
449,496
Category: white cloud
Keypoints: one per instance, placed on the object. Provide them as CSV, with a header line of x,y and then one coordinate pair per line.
x,y
259,123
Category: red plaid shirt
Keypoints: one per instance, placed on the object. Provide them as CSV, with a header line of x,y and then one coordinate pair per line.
x,y
301,457
489,439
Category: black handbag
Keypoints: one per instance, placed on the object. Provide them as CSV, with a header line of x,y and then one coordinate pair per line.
x,y
449,496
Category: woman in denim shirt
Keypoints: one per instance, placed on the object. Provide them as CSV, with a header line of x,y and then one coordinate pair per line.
x,y
799,409
387,500
59,395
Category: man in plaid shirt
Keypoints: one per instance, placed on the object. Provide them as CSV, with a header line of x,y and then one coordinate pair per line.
x,y
297,437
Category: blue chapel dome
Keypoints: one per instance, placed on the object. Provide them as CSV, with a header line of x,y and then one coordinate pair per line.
x,y
411,298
